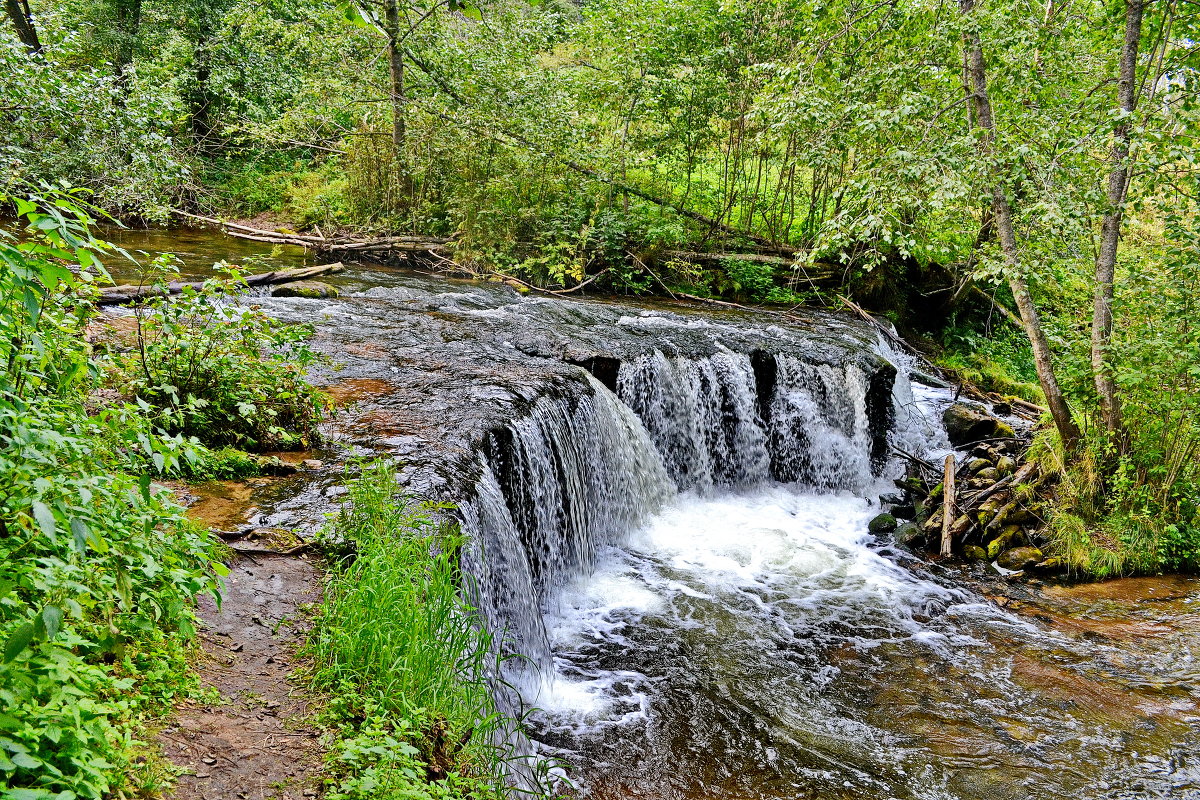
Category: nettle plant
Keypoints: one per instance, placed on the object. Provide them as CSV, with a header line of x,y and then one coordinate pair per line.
x,y
217,369
99,570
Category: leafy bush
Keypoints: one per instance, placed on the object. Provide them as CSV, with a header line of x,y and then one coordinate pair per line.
x,y
225,373
405,655
98,567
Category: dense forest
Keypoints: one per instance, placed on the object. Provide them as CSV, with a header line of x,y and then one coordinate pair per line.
x,y
1013,184
1014,180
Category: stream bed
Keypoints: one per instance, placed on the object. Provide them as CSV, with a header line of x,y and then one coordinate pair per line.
x,y
667,508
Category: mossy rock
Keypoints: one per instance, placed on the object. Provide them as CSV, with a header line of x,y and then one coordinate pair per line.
x,y
312,290
1011,536
974,553
1007,465
1020,558
909,535
966,425
883,523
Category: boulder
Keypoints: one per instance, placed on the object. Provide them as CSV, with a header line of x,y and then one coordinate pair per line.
x,y
974,553
1007,465
1020,558
883,523
313,290
1011,536
966,425
909,535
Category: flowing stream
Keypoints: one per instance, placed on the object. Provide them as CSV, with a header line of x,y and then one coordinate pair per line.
x,y
667,512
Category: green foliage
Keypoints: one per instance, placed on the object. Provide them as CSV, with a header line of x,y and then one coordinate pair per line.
x,y
212,368
999,360
98,567
404,654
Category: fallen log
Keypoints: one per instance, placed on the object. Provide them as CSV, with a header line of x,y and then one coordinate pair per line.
x,y
128,293
948,506
330,245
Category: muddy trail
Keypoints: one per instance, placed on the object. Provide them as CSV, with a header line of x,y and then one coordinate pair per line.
x,y
257,740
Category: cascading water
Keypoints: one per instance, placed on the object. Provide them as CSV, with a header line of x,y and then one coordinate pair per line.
x,y
743,638
556,486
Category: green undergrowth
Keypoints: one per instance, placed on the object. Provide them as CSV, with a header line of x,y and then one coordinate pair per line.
x,y
1110,521
998,360
210,368
405,658
100,569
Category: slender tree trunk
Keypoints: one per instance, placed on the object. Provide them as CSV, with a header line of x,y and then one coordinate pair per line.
x,y
1064,421
1110,228
22,19
396,72
128,16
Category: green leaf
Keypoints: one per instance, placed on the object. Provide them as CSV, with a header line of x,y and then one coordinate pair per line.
x,y
18,641
80,531
45,519
52,617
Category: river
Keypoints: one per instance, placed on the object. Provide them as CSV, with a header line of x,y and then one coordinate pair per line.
x,y
677,543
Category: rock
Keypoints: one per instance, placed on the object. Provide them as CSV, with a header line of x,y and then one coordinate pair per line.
x,y
1051,564
966,425
313,290
978,465
892,499
909,535
1020,558
904,511
991,475
1006,465
1002,409
1009,537
883,523
272,465
974,553
312,463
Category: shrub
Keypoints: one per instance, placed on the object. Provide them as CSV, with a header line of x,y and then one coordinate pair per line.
x,y
223,372
98,567
406,655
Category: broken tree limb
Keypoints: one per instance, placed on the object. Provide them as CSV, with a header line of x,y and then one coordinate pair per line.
x,y
128,293
947,505
345,245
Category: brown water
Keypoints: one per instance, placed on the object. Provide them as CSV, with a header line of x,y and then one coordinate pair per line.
x,y
198,249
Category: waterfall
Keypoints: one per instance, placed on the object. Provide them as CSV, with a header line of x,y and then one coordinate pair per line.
x,y
567,479
577,474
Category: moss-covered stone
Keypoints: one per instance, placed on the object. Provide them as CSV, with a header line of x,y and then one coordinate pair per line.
x,y
1020,558
883,523
974,553
312,290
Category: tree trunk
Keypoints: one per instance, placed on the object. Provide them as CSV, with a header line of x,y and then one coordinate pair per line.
x,y
1110,229
22,19
1064,421
396,70
128,16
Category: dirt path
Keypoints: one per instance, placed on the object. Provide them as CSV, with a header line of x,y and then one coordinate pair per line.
x,y
255,744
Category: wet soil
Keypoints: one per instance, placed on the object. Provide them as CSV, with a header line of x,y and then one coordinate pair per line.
x,y
258,740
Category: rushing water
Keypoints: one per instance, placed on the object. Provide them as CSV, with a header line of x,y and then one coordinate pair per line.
x,y
678,546
747,638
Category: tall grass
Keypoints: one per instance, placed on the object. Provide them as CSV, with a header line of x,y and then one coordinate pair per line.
x,y
406,657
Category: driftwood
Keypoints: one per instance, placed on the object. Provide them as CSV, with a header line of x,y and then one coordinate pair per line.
x,y
128,293
335,245
947,505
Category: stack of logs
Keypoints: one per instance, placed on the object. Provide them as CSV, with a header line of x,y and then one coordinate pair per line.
x,y
986,502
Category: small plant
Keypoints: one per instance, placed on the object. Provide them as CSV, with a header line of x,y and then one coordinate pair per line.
x,y
404,654
223,372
